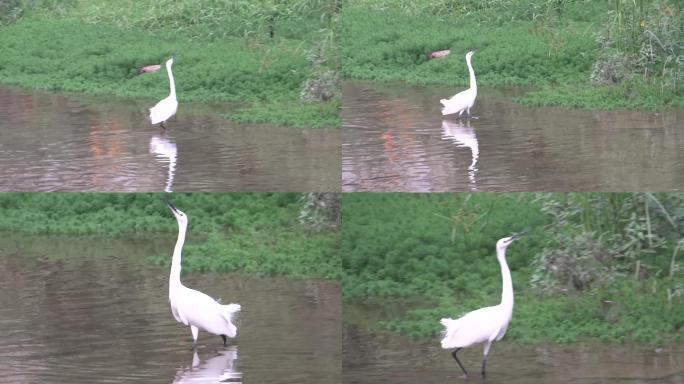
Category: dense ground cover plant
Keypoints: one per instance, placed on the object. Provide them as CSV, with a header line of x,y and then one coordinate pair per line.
x,y
564,47
256,233
255,54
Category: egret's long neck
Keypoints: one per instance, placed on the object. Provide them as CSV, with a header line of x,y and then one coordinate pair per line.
x,y
507,292
473,84
172,84
174,277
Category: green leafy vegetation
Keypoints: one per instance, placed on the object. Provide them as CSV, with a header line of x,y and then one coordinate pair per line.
x,y
262,55
249,232
314,115
569,48
593,266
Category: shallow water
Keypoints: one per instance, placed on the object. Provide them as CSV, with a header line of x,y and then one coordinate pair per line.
x,y
93,310
381,357
395,139
58,142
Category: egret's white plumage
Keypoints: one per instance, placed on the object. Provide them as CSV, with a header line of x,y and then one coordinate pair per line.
x,y
168,106
192,307
464,100
484,325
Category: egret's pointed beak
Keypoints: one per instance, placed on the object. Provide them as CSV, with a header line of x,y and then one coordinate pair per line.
x,y
516,236
172,207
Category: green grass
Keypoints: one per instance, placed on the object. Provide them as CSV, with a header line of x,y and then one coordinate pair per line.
x,y
519,42
437,251
96,48
104,60
433,244
631,94
393,46
255,233
314,115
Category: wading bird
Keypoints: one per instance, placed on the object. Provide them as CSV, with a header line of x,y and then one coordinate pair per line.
x,y
192,307
464,100
168,106
484,325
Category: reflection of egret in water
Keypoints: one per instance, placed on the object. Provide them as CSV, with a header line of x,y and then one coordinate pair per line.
x,y
165,151
217,369
464,136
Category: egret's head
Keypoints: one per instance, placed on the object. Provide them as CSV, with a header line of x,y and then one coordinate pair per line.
x,y
180,216
470,53
169,62
506,241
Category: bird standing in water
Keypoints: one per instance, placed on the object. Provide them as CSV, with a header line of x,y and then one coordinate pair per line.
x,y
462,101
192,307
168,106
485,325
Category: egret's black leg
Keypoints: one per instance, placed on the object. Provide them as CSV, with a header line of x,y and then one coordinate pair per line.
x,y
224,340
459,363
486,355
162,125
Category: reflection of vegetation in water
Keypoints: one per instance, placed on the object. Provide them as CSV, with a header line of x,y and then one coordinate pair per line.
x,y
251,52
251,232
600,266
549,43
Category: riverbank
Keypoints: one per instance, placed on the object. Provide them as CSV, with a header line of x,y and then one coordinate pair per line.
x,y
97,48
577,275
559,48
255,233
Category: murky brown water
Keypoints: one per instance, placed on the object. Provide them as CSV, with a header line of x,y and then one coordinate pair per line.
x,y
93,310
395,139
57,142
380,357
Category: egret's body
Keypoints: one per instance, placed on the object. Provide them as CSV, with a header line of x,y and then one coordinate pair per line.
x,y
462,101
168,106
484,325
192,307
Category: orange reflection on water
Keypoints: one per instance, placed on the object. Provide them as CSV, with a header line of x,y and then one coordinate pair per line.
x,y
104,146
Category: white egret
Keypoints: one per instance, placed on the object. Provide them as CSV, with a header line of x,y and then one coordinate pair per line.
x,y
464,100
168,106
192,307
484,325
